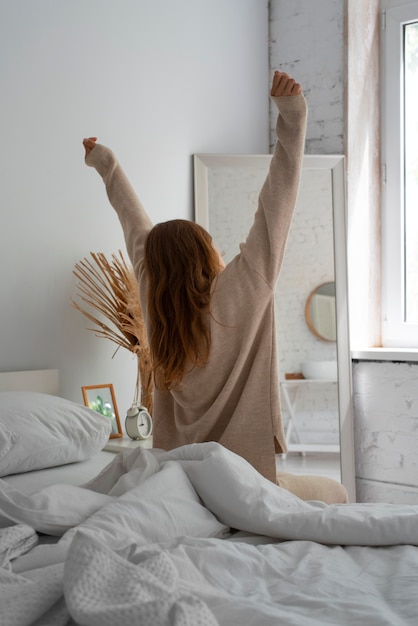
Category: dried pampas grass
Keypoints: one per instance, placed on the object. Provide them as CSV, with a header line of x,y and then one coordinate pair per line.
x,y
111,289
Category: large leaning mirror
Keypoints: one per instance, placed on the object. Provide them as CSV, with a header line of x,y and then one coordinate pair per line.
x,y
226,192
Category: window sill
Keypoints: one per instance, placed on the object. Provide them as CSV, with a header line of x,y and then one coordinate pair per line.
x,y
385,354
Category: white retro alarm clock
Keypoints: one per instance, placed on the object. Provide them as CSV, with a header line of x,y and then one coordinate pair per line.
x,y
138,422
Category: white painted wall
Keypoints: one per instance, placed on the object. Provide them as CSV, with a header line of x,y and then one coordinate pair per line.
x,y
157,81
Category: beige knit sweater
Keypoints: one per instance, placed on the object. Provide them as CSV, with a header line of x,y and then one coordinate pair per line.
x,y
234,399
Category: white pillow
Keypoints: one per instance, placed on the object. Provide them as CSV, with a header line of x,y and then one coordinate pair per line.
x,y
39,430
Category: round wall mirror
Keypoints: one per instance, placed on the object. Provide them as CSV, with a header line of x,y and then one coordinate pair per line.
x,y
320,312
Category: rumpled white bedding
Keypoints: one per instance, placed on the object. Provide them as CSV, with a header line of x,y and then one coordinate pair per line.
x,y
148,542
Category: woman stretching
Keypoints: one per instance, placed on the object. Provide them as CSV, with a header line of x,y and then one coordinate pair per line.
x,y
210,327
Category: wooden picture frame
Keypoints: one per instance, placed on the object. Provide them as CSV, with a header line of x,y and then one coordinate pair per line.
x,y
101,398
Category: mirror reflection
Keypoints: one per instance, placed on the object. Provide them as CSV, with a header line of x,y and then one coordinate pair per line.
x,y
320,312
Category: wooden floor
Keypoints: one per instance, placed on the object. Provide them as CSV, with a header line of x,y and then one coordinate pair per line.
x,y
312,463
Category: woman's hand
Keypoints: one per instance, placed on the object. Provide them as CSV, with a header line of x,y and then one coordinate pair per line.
x,y
89,144
284,85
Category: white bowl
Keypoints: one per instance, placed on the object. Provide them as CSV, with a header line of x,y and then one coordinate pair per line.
x,y
320,370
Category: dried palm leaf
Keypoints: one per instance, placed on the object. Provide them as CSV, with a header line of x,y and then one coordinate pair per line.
x,y
111,289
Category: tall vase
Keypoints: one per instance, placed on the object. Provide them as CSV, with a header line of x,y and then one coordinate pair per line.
x,y
144,382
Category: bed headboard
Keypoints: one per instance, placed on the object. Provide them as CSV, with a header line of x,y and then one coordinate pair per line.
x,y
44,381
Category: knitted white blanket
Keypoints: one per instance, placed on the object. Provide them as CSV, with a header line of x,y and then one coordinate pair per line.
x,y
14,541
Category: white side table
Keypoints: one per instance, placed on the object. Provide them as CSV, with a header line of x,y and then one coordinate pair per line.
x,y
290,390
117,444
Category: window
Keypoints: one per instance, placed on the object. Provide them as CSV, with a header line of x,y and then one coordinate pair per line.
x,y
400,167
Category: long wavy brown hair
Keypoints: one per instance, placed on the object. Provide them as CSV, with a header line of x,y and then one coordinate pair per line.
x,y
181,264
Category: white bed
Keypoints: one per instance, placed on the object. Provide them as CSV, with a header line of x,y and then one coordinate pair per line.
x,y
196,536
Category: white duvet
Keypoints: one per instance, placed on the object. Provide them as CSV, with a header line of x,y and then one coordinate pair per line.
x,y
149,542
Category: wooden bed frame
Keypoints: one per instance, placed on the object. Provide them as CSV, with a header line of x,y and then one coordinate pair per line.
x,y
43,381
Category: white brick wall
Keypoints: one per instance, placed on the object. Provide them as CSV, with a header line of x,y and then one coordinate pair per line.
x,y
306,39
386,431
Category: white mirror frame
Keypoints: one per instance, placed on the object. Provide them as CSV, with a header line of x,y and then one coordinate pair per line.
x,y
336,166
